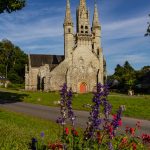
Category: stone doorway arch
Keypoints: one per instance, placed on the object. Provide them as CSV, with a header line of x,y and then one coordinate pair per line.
x,y
83,87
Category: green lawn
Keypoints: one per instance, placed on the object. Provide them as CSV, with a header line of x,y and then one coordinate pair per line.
x,y
16,130
136,106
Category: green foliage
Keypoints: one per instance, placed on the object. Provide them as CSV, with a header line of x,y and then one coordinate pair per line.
x,y
125,75
129,79
15,86
12,62
11,5
143,79
15,78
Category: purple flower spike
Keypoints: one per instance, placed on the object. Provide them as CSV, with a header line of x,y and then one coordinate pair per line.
x,y
34,140
100,105
42,134
110,146
117,118
66,106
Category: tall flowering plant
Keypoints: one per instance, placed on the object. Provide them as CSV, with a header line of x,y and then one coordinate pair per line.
x,y
70,139
100,128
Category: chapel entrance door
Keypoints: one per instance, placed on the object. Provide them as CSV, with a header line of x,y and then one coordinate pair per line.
x,y
83,88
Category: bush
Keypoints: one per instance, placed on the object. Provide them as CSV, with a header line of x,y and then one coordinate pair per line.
x,y
15,86
14,78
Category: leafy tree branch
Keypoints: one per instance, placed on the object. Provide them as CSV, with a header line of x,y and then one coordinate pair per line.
x,y
10,6
148,29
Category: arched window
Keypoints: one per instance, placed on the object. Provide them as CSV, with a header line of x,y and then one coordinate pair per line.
x,y
81,26
69,30
82,32
86,32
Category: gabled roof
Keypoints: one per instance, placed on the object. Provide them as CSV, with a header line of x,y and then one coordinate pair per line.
x,y
38,60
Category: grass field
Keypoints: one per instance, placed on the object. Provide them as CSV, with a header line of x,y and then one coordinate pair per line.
x,y
16,130
136,106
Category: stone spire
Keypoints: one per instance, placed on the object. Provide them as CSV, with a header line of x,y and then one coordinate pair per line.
x,y
96,22
82,3
68,18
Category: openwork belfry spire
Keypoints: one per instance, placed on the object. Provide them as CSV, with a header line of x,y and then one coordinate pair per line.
x,y
82,2
96,22
68,18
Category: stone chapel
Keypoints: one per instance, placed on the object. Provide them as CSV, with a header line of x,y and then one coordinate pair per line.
x,y
82,65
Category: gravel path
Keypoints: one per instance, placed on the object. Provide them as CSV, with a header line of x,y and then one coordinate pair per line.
x,y
51,113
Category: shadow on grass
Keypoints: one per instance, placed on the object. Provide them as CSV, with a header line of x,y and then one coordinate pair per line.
x,y
8,97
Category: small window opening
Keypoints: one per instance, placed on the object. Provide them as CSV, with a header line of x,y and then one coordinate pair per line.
x,y
92,46
86,27
82,32
98,52
69,30
81,27
86,32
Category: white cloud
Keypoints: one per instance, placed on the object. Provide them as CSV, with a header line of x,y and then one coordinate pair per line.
x,y
46,27
49,49
125,36
132,27
133,58
124,46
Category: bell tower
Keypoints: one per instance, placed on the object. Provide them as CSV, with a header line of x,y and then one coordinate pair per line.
x,y
96,32
96,42
68,32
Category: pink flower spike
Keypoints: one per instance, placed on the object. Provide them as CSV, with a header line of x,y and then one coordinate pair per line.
x,y
66,131
114,116
120,122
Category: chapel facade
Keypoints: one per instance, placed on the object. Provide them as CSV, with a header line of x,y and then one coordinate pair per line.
x,y
82,66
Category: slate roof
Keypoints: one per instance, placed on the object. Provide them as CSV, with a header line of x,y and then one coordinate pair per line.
x,y
38,60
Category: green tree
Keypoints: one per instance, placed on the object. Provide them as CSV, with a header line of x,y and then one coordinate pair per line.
x,y
119,70
143,79
128,67
126,78
118,75
12,62
11,5
6,55
129,76
125,75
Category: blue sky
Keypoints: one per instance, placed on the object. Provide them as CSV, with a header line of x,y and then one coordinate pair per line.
x,y
38,28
